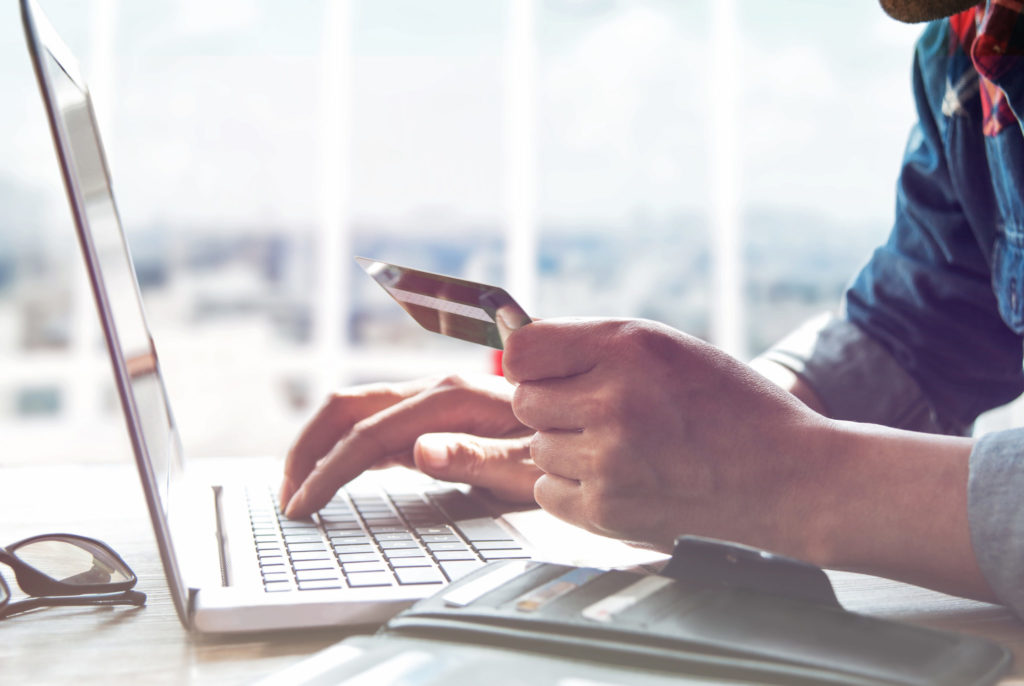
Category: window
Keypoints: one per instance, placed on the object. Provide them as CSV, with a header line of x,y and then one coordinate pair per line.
x,y
585,153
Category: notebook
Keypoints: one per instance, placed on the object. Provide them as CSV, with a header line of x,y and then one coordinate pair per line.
x,y
232,562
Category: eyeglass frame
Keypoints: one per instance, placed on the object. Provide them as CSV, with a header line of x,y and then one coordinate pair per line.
x,y
45,591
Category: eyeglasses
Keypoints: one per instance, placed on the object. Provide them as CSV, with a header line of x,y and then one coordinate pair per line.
x,y
65,569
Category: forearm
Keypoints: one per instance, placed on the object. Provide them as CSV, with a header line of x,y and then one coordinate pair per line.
x,y
894,503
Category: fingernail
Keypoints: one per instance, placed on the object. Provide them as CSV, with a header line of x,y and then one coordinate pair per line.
x,y
294,502
434,452
286,492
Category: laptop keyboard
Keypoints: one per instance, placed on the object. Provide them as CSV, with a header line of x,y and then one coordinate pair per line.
x,y
375,538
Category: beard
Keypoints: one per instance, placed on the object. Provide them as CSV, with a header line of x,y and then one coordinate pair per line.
x,y
913,11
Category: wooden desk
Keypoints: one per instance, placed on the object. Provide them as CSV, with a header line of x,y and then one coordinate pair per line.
x,y
147,645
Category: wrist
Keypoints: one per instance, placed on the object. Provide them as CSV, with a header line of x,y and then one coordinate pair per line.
x,y
894,503
788,380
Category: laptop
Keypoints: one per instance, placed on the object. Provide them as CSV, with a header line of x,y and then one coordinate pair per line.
x,y
232,561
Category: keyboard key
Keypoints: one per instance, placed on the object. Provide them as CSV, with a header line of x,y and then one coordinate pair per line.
x,y
405,498
455,569
403,535
368,500
447,546
465,554
418,561
270,557
497,545
398,545
339,521
375,566
337,518
371,513
297,525
482,529
457,505
315,574
441,538
503,554
276,586
359,557
305,547
319,584
438,529
393,553
312,555
313,564
362,579
271,577
418,575
425,519
338,506
352,549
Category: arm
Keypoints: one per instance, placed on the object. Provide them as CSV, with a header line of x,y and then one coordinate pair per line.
x,y
644,433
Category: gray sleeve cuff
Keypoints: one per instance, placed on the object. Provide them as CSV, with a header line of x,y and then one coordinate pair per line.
x,y
856,378
994,493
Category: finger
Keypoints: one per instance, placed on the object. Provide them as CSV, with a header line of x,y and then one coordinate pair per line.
x,y
501,465
567,404
551,348
445,407
402,459
559,497
332,421
563,454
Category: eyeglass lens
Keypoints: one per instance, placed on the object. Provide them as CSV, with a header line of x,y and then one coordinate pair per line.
x,y
72,561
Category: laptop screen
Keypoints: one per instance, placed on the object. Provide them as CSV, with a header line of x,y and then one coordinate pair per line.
x,y
112,270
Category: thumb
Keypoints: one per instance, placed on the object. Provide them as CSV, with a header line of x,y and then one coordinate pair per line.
x,y
501,465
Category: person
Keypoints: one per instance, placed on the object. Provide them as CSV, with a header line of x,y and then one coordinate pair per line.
x,y
845,445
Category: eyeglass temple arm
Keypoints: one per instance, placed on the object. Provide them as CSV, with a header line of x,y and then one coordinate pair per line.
x,y
130,597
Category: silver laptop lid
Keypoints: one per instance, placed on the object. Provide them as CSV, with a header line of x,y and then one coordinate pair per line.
x,y
112,277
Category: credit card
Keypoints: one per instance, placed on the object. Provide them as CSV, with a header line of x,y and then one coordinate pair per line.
x,y
556,588
467,310
620,601
466,593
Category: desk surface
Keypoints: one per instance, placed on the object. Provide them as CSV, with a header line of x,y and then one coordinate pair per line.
x,y
148,645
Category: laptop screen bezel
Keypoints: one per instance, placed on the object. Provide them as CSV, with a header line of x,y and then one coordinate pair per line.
x,y
44,43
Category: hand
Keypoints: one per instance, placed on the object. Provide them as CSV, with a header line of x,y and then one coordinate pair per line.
x,y
645,433
457,429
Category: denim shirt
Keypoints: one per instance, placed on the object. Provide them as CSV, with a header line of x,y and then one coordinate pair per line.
x,y
932,329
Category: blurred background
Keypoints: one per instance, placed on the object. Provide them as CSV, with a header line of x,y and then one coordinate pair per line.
x,y
723,166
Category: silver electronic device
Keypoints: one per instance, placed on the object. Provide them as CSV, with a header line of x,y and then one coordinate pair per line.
x,y
232,562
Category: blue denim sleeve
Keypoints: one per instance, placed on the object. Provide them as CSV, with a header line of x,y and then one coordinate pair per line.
x,y
926,296
856,378
922,345
995,516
